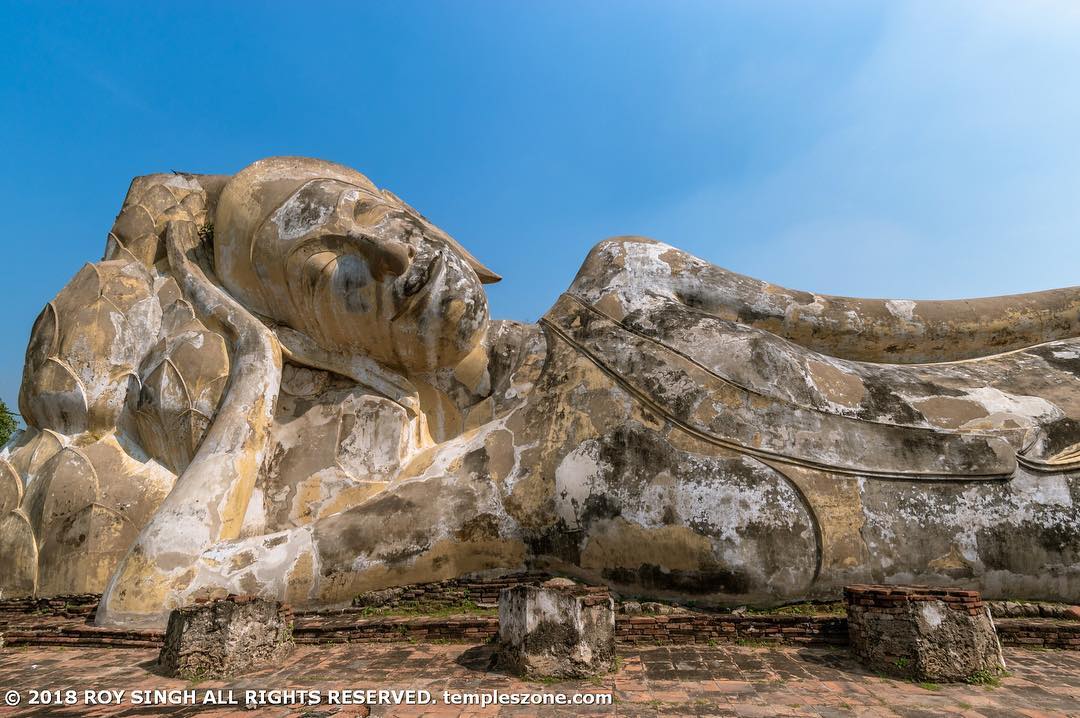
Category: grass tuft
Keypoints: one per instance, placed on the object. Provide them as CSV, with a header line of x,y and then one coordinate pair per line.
x,y
984,677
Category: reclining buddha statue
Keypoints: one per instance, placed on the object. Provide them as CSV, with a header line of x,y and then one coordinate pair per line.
x,y
286,383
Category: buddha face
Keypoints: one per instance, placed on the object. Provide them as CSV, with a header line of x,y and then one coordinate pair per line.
x,y
317,247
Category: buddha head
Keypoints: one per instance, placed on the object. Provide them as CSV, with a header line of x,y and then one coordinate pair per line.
x,y
317,247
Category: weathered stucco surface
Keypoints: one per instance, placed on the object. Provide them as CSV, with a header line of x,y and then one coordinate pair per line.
x,y
286,383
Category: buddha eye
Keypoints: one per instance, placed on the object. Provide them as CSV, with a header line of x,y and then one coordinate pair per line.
x,y
368,209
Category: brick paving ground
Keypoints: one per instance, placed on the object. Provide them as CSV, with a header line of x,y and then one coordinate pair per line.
x,y
726,680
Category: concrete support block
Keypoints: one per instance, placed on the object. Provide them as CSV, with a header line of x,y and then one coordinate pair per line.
x,y
560,629
923,633
226,637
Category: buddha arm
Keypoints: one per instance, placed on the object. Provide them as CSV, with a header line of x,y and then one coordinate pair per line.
x,y
209,500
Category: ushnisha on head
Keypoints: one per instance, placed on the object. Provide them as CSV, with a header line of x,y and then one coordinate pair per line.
x,y
316,246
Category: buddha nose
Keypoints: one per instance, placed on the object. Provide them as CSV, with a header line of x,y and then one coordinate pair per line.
x,y
384,256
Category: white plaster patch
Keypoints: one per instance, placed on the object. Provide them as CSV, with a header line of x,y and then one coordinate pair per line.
x,y
195,339
855,320
275,555
293,221
378,444
516,390
702,494
362,563
931,613
901,309
182,182
644,281
816,307
578,473
729,508
254,522
997,401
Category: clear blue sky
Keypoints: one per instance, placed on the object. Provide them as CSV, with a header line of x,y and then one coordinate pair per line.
x,y
880,149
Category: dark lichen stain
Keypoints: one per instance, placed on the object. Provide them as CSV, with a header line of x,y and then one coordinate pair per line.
x,y
475,464
505,355
389,519
557,540
599,506
550,637
922,387
881,402
670,516
634,455
705,581
1068,364
749,315
694,299
416,545
275,541
1060,434
391,504
484,527
1017,548
1059,539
